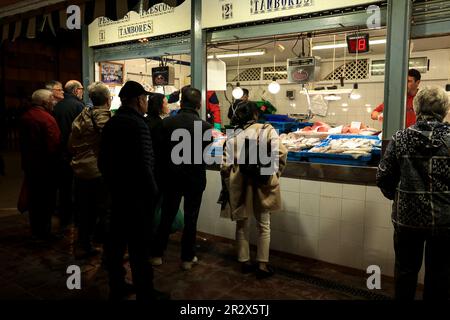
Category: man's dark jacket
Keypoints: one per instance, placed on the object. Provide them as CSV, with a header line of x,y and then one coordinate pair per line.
x,y
191,175
126,154
65,113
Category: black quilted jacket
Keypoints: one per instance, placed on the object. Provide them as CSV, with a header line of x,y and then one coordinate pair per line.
x,y
415,173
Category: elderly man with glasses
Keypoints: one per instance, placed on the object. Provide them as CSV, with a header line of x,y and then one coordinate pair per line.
x,y
65,113
57,90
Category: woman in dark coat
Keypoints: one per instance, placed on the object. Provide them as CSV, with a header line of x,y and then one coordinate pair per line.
x,y
158,109
415,173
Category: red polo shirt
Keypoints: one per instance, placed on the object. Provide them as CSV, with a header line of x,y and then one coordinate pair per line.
x,y
410,114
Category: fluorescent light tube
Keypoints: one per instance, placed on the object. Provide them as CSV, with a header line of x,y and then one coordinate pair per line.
x,y
241,54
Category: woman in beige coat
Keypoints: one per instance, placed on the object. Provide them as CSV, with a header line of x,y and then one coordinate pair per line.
x,y
247,195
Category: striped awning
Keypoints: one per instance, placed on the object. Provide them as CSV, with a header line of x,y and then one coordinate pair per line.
x,y
29,24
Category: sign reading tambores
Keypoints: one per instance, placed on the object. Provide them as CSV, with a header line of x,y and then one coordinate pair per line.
x,y
143,28
158,20
216,13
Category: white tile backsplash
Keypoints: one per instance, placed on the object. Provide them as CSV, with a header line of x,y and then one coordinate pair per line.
x,y
330,207
328,251
374,194
308,226
308,247
353,211
287,184
309,204
352,234
351,256
284,241
354,192
329,229
290,201
226,228
285,222
331,189
378,238
311,187
378,214
337,223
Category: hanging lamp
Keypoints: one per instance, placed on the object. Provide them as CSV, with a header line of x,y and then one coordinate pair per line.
x,y
356,93
237,91
274,86
333,96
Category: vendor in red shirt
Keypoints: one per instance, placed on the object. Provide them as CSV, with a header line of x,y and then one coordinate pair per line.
x,y
413,87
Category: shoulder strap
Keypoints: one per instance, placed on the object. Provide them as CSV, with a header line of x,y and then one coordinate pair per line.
x,y
94,123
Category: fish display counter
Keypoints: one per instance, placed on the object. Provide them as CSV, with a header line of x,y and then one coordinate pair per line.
x,y
330,212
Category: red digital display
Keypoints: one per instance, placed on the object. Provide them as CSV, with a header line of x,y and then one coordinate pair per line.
x,y
358,43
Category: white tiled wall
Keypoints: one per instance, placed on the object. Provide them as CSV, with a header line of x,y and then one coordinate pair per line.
x,y
343,224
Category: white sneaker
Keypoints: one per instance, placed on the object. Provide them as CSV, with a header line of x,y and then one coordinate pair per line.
x,y
156,261
187,265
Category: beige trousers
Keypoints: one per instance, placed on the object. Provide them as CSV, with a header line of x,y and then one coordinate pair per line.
x,y
263,238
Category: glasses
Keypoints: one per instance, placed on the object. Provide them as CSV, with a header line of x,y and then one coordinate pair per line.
x,y
57,89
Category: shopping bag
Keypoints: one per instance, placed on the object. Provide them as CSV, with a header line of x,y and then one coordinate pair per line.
x,y
23,201
178,222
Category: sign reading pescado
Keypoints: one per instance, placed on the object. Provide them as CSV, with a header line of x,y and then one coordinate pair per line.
x,y
158,20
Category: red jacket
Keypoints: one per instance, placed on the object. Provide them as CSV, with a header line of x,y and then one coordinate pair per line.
x,y
212,104
410,114
40,140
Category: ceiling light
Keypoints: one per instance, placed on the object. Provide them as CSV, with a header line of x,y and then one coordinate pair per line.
x,y
274,86
344,45
237,91
240,54
345,104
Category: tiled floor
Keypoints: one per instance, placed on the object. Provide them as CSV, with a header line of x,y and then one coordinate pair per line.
x,y
28,271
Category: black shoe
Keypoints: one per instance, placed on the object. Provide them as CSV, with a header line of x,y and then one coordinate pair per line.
x,y
262,274
247,267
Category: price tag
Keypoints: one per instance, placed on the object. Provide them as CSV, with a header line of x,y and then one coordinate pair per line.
x,y
355,125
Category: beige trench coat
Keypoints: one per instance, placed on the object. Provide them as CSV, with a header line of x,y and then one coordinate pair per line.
x,y
246,198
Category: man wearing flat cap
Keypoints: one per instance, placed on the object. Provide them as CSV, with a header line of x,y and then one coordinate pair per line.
x,y
126,162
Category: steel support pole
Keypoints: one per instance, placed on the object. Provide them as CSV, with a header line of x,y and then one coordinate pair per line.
x,y
397,64
87,61
198,53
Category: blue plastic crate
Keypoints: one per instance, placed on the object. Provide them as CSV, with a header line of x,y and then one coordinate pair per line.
x,y
361,161
295,156
278,118
342,159
376,151
283,127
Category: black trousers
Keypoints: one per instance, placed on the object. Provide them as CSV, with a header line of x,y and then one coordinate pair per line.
x,y
169,209
130,226
92,205
42,201
409,245
65,193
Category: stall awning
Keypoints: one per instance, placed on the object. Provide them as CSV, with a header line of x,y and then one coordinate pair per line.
x,y
30,23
